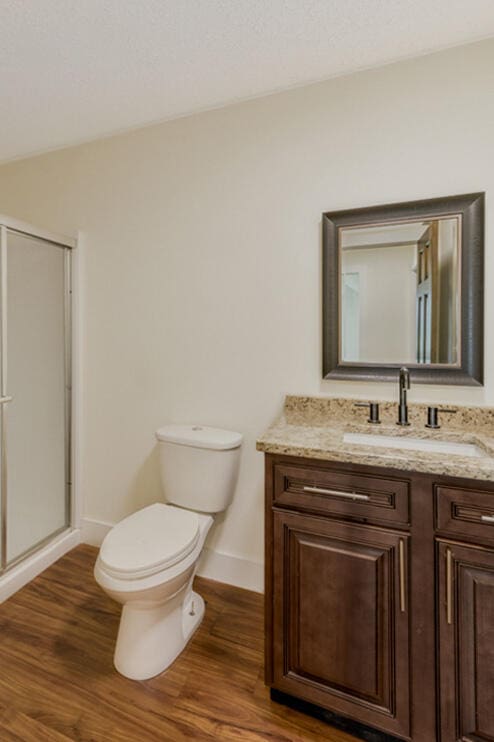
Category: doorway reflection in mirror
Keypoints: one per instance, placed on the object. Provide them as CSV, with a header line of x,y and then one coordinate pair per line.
x,y
400,292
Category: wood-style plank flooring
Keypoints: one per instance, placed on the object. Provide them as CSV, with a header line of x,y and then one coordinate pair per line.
x,y
57,681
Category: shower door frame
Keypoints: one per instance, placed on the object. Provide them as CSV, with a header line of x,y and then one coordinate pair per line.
x,y
14,226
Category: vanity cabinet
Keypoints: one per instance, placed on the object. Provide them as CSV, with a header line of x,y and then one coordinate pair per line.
x,y
340,617
466,642
380,597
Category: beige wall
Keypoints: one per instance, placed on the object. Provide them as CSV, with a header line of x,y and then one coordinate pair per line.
x,y
203,257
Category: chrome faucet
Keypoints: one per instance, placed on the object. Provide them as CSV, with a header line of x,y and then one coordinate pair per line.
x,y
404,384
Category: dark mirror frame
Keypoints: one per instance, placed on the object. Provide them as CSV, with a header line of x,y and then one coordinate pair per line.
x,y
470,370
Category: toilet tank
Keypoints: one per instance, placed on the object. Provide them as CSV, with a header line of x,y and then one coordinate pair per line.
x,y
199,466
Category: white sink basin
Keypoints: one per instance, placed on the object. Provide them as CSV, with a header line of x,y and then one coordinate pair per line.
x,y
414,444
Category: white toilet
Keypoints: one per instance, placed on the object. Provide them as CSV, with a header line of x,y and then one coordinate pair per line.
x,y
147,561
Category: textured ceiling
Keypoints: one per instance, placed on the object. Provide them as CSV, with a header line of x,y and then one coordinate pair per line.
x,y
74,70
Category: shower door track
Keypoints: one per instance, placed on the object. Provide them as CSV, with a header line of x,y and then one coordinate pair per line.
x,y
15,226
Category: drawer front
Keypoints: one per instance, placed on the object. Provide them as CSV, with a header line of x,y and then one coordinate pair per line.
x,y
465,513
365,497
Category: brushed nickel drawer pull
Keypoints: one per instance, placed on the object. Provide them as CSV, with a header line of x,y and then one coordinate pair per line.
x,y
338,493
402,576
487,518
449,586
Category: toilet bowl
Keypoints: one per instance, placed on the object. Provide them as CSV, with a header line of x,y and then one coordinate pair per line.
x,y
147,562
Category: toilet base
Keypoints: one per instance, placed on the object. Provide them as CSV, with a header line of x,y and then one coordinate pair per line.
x,y
151,636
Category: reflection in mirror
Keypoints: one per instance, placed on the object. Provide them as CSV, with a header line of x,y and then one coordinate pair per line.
x,y
403,284
400,292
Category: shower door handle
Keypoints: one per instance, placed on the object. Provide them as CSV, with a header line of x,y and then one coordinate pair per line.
x,y
4,400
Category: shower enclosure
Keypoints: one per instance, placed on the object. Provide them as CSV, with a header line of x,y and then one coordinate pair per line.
x,y
35,394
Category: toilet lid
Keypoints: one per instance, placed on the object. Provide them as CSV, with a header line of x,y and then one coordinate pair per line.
x,y
149,541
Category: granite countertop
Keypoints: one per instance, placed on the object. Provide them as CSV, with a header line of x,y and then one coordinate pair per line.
x,y
314,427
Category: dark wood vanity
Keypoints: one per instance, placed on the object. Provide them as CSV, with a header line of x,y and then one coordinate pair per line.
x,y
380,548
380,596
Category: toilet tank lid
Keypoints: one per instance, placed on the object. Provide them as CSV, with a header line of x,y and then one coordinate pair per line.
x,y
200,436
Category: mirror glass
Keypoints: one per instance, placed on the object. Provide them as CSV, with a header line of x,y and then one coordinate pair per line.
x,y
400,292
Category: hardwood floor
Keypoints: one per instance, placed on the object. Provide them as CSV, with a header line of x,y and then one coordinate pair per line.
x,y
57,681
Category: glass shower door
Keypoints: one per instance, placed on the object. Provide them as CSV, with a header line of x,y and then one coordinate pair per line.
x,y
35,371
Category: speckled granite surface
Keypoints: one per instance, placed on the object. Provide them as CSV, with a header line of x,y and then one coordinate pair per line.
x,y
313,427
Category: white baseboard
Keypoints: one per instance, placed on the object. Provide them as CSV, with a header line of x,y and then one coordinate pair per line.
x,y
213,564
94,531
32,566
232,570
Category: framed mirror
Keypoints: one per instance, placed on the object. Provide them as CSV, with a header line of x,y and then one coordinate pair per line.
x,y
403,285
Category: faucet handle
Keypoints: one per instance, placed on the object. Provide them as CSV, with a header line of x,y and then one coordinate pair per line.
x,y
433,419
373,408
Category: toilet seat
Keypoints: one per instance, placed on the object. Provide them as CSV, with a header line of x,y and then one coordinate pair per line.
x,y
149,541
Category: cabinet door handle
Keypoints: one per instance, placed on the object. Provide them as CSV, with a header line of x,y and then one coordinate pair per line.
x,y
4,400
338,493
402,576
449,586
487,518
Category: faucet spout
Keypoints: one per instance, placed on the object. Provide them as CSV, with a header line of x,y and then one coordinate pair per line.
x,y
404,384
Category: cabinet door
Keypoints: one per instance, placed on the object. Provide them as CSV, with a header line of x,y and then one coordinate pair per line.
x,y
340,620
466,642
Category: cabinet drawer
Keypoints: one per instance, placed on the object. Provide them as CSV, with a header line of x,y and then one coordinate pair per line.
x,y
466,513
366,497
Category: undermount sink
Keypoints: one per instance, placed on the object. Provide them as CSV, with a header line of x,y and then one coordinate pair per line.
x,y
414,444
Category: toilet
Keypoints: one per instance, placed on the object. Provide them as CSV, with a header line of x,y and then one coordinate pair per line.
x,y
147,562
